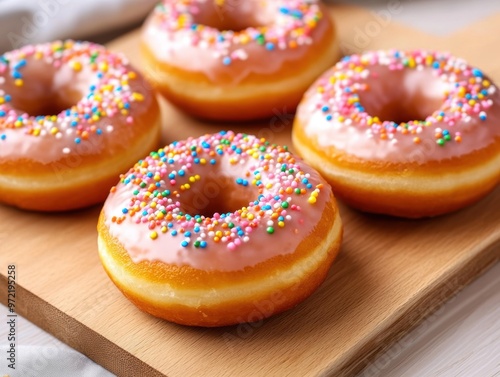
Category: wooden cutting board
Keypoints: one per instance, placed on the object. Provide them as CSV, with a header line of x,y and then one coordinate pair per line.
x,y
390,275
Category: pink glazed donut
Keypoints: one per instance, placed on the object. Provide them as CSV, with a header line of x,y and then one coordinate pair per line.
x,y
409,134
237,60
217,230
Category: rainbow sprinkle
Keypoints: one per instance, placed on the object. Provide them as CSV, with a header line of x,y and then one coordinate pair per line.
x,y
468,95
156,185
293,24
109,93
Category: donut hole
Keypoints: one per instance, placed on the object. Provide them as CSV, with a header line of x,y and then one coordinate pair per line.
x,y
402,96
47,90
216,193
234,15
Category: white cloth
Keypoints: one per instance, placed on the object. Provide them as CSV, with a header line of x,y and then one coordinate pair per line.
x,y
50,361
33,21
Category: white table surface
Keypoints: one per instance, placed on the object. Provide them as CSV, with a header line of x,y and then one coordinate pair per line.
x,y
461,339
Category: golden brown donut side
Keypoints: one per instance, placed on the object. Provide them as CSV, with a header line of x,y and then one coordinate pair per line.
x,y
403,189
266,301
253,97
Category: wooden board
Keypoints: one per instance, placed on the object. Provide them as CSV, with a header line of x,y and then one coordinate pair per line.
x,y
390,275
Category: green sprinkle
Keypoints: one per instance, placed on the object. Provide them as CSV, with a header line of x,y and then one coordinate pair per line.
x,y
270,230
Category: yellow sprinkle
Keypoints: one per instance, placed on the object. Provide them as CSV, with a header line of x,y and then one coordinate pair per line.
x,y
103,66
132,75
203,161
311,200
77,66
164,229
137,96
18,82
2,100
54,130
18,124
250,216
192,179
153,235
281,224
36,132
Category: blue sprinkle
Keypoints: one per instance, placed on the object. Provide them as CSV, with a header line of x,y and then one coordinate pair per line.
x,y
99,131
482,116
196,160
212,162
3,136
227,60
2,113
325,109
184,243
309,186
284,10
7,98
171,176
181,173
203,244
78,140
187,234
173,233
477,73
17,75
305,181
269,46
435,65
171,225
21,64
446,132
150,174
329,117
125,211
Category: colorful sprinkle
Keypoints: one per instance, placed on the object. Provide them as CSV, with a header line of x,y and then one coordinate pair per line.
x,y
293,23
109,92
155,198
467,95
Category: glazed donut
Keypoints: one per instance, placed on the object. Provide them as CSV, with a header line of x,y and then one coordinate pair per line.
x,y
411,134
237,60
219,230
73,116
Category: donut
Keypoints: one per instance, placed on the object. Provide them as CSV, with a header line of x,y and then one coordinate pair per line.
x,y
73,116
404,133
237,60
218,230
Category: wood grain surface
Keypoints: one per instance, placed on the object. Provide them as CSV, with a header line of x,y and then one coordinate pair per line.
x,y
390,275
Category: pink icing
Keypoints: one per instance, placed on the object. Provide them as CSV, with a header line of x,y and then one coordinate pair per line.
x,y
458,105
270,224
291,28
105,97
